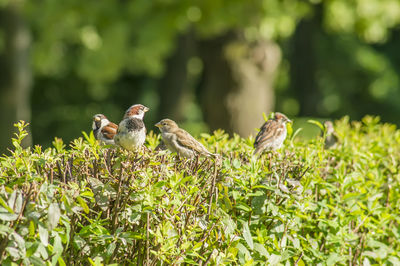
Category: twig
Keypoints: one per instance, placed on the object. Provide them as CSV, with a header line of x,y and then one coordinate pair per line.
x,y
359,250
147,240
14,226
60,173
284,233
212,192
115,220
299,258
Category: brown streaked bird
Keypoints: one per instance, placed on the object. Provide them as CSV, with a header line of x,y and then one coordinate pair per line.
x,y
103,129
180,141
331,137
272,134
131,132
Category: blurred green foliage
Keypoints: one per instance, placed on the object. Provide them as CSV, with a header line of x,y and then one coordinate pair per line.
x,y
302,204
100,57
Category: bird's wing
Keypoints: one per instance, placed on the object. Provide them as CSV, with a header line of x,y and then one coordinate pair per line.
x,y
269,130
109,130
186,140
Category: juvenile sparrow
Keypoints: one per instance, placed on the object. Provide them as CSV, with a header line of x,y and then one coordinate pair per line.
x,y
331,137
131,132
180,141
272,134
103,129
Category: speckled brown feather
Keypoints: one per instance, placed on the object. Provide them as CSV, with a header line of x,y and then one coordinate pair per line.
x,y
185,139
109,131
134,110
103,129
180,141
272,133
268,131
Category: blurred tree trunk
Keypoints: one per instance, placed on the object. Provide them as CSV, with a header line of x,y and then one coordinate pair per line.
x,y
303,64
173,86
15,73
237,84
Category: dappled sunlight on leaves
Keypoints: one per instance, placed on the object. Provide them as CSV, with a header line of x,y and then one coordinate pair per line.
x,y
302,203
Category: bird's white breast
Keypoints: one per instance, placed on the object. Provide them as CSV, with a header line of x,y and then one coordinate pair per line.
x,y
279,140
130,140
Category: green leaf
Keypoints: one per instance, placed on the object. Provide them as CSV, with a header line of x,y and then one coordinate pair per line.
x,y
229,225
333,259
43,251
394,260
243,250
12,199
36,261
57,246
13,253
83,204
5,205
44,235
57,249
110,249
265,116
317,123
261,249
274,259
236,163
53,215
58,144
31,229
18,203
96,262
32,249
243,206
295,134
296,243
4,230
5,216
247,236
61,262
19,240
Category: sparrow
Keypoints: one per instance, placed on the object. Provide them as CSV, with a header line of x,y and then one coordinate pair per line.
x,y
131,132
272,134
103,129
180,141
331,137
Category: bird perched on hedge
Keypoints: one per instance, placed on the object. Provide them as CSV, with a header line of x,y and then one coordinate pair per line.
x,y
272,134
180,141
103,129
331,137
131,132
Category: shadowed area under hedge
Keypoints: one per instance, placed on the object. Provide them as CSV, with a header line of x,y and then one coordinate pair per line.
x,y
301,205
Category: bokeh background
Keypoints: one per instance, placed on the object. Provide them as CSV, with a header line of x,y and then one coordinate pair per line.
x,y
207,64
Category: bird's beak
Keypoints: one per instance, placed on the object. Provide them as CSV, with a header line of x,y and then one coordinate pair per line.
x,y
158,125
289,121
146,109
97,119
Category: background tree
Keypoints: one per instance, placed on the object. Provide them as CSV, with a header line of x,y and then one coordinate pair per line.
x,y
15,77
